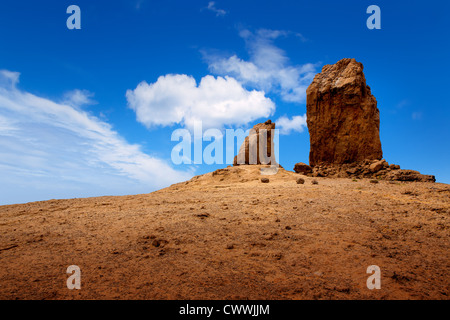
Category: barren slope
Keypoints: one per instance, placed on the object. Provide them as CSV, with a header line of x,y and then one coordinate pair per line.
x,y
226,235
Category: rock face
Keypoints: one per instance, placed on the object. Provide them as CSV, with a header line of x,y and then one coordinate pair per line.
x,y
249,152
342,116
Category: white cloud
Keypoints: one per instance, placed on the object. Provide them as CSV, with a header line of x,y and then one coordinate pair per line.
x,y
7,126
53,150
77,98
286,125
9,79
268,69
217,102
212,7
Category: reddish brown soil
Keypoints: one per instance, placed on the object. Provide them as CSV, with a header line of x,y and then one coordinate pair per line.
x,y
229,236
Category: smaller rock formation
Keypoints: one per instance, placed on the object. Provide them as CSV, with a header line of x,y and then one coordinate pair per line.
x,y
249,152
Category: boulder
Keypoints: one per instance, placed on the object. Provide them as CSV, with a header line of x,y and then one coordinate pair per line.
x,y
302,168
342,116
377,166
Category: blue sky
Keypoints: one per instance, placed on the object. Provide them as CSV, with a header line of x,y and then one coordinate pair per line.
x,y
91,112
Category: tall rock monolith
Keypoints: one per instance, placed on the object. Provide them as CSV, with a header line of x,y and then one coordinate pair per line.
x,y
342,116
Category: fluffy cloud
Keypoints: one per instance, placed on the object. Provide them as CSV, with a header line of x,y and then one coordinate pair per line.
x,y
268,68
286,125
54,150
217,102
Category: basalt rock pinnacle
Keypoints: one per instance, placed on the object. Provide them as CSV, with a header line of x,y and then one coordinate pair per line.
x,y
344,128
342,116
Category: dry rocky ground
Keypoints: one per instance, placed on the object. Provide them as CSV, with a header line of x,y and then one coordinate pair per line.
x,y
226,235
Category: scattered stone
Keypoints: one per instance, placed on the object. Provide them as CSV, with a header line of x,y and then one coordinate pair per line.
x,y
410,192
155,243
271,236
373,181
265,180
314,182
230,246
159,243
300,181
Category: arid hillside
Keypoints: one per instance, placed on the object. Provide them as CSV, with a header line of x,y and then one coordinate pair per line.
x,y
227,235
